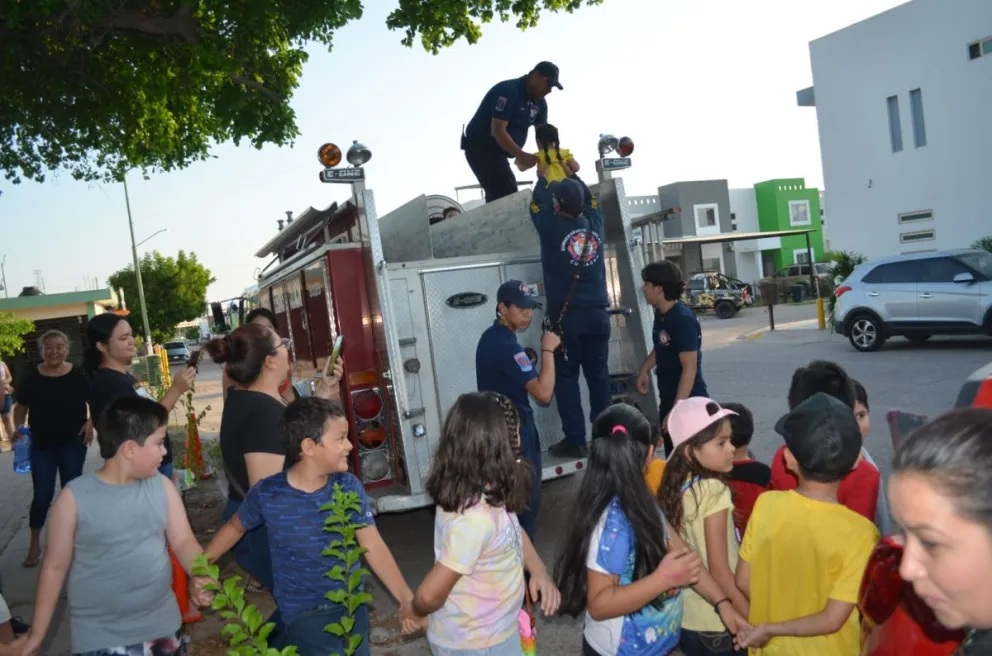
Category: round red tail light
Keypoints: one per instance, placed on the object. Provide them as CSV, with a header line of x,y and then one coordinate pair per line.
x,y
625,147
366,405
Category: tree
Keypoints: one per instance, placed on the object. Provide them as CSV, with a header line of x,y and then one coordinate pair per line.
x,y
844,263
175,291
101,87
983,244
12,332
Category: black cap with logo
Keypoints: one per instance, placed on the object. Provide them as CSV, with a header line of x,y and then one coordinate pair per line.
x,y
823,435
550,71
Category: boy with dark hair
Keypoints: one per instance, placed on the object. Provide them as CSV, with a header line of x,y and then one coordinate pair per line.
x,y
316,433
749,478
108,533
677,356
859,490
863,414
806,536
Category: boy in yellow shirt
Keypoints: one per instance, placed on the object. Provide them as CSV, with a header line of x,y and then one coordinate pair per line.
x,y
803,554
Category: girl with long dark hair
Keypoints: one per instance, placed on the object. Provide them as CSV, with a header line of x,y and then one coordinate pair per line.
x,y
107,360
696,500
621,562
475,590
940,489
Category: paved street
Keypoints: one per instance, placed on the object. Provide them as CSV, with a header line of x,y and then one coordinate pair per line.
x,y
755,372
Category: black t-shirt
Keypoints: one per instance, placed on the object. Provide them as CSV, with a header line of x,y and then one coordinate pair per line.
x,y
56,406
250,424
108,385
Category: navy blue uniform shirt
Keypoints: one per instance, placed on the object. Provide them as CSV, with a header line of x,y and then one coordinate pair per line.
x,y
676,332
297,539
562,244
508,102
502,365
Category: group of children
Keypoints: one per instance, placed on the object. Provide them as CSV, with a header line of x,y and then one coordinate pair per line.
x,y
716,554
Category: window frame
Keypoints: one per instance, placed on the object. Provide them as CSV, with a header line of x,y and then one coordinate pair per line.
x,y
809,212
914,217
918,118
716,216
917,236
914,263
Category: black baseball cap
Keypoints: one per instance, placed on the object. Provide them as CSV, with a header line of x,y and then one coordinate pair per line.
x,y
550,71
570,194
823,435
515,292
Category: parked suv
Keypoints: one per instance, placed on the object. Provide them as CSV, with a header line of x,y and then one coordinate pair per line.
x,y
177,351
916,296
711,290
798,274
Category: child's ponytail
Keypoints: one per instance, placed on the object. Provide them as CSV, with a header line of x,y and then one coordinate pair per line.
x,y
518,496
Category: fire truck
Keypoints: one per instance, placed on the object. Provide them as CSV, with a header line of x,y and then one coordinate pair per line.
x,y
411,292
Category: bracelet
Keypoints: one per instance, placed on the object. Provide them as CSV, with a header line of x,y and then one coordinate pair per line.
x,y
716,606
547,351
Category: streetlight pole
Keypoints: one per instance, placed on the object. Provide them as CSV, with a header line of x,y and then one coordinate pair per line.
x,y
137,271
157,232
3,276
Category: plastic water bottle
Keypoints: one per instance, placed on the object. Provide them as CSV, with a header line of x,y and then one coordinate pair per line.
x,y
22,451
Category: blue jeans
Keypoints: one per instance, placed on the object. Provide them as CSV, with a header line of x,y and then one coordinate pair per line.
x,y
65,461
251,553
530,450
586,342
705,643
509,647
306,631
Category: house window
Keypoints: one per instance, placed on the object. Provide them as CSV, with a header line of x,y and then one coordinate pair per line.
x,y
919,125
980,48
800,256
916,217
913,237
707,216
799,213
895,125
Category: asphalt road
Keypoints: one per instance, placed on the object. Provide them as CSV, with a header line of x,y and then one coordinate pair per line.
x,y
756,373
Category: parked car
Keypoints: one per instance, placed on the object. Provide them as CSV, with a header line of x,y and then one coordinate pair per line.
x,y
798,274
916,296
712,290
177,351
895,621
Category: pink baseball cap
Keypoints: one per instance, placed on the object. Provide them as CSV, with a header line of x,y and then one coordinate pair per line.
x,y
691,416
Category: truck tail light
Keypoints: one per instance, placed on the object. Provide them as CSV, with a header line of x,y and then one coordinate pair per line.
x,y
367,405
840,290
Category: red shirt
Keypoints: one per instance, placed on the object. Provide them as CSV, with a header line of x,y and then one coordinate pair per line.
x,y
747,481
858,491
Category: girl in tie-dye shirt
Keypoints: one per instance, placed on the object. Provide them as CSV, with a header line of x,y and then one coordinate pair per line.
x,y
621,563
474,593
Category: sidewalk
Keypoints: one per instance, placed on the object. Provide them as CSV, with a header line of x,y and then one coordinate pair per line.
x,y
805,324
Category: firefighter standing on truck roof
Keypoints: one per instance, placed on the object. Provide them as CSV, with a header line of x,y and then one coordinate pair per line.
x,y
570,228
498,130
502,365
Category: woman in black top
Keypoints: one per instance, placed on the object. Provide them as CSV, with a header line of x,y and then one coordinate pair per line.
x,y
53,398
111,349
256,360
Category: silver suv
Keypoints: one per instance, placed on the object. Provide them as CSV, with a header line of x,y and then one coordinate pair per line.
x,y
916,296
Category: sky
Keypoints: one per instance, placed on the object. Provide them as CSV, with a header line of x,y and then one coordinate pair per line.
x,y
705,88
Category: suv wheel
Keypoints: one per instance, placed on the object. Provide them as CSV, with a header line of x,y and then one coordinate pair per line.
x,y
865,333
725,309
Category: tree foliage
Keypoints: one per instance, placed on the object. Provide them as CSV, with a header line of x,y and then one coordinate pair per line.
x,y
175,291
844,263
101,87
12,332
983,244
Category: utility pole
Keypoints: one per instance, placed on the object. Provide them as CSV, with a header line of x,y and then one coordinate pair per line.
x,y
137,272
3,276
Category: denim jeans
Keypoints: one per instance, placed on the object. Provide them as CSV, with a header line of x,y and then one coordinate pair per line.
x,y
306,631
66,462
252,554
704,643
509,647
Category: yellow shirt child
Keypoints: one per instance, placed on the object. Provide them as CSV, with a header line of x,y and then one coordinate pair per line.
x,y
556,163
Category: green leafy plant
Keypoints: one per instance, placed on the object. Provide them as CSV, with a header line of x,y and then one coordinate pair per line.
x,y
12,333
984,244
844,264
246,630
346,550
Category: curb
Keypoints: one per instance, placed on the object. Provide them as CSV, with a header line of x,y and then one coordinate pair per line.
x,y
792,325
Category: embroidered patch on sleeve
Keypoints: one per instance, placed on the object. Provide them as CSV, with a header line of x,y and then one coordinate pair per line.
x,y
534,208
500,103
595,203
523,362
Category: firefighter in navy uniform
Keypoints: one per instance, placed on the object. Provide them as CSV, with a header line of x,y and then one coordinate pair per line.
x,y
570,228
498,130
502,365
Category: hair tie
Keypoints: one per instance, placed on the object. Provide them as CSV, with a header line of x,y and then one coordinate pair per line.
x,y
618,429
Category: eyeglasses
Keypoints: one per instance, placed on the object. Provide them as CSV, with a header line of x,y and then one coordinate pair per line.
x,y
283,342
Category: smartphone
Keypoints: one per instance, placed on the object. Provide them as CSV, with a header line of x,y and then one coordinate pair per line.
x,y
195,358
901,424
336,353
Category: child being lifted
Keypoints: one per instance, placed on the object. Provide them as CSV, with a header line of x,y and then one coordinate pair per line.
x,y
554,163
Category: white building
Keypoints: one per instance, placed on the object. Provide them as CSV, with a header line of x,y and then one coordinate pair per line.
x,y
904,106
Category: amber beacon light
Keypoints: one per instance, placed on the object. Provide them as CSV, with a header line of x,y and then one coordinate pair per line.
x,y
329,155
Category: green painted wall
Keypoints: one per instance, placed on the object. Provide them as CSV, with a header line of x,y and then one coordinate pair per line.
x,y
773,197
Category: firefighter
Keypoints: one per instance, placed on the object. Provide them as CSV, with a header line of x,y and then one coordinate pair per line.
x,y
502,365
570,228
498,131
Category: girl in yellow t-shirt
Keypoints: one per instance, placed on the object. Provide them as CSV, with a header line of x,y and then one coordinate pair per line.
x,y
554,163
698,504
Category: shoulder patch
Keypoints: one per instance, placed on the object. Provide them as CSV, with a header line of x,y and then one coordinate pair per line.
x,y
523,362
534,208
501,103
595,203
